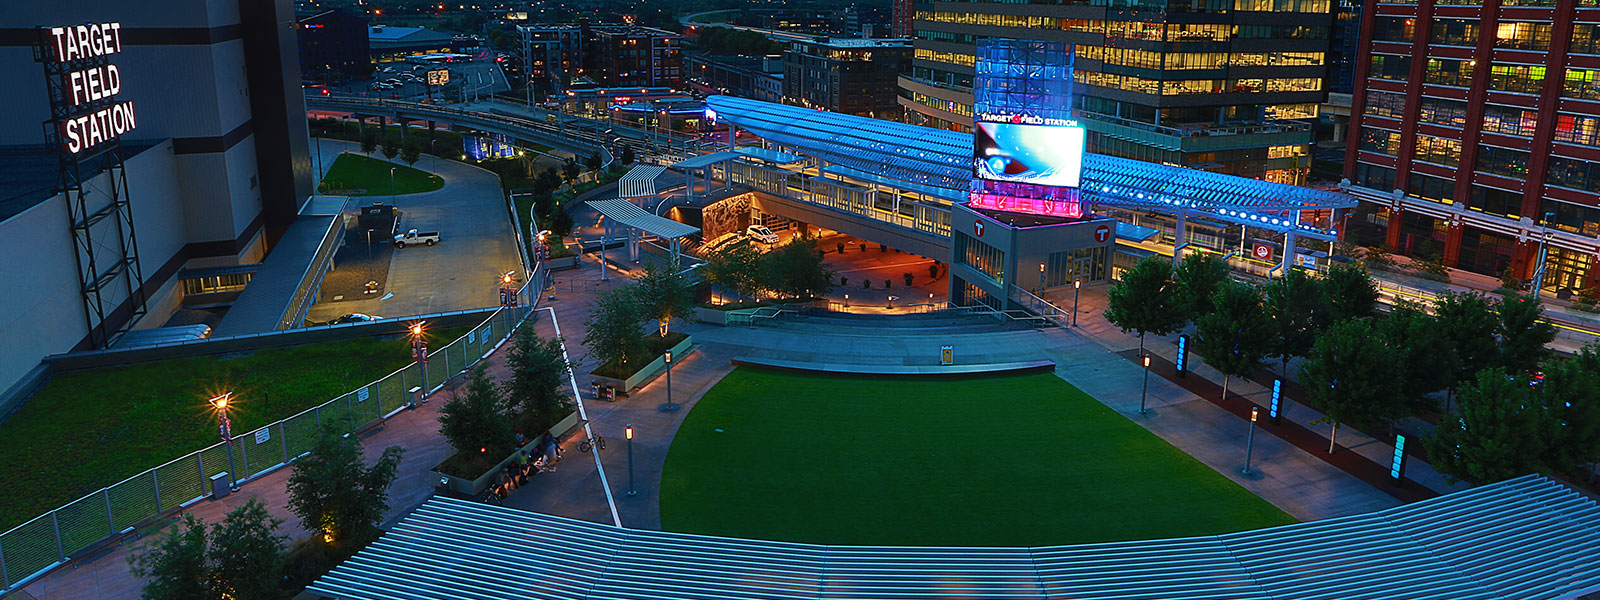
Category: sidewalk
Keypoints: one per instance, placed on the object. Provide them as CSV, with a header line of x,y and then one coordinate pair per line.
x,y
1207,380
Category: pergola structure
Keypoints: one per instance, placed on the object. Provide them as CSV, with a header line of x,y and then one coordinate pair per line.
x,y
938,163
1528,538
636,222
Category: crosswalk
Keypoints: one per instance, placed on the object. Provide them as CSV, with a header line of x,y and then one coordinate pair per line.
x,y
639,181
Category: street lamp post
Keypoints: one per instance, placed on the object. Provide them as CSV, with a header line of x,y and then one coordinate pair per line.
x,y
628,433
1040,290
1146,391
391,184
1250,439
419,353
1077,284
225,429
670,406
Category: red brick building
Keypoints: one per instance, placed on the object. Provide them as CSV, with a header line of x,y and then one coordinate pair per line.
x,y
1475,135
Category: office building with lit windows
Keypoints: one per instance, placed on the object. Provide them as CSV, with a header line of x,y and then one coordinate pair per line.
x,y
852,76
1477,136
1220,85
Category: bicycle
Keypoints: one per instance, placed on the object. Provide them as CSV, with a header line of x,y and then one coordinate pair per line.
x,y
598,443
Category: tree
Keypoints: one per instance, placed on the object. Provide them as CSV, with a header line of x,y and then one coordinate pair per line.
x,y
571,171
1234,337
548,181
335,494
1571,396
593,162
1495,435
1145,300
246,553
391,148
1197,279
411,152
369,141
538,369
796,270
627,155
614,333
664,293
560,221
1522,333
237,558
1350,292
1469,323
1352,377
1427,362
477,421
1296,309
175,568
736,267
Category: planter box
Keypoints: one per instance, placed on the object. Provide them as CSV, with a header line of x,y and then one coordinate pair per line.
x,y
565,262
473,487
711,315
649,372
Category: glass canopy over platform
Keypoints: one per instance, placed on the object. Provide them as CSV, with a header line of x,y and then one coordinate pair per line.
x,y
924,157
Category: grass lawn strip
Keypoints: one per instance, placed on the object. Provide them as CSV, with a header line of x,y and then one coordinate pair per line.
x,y
92,428
1023,460
357,172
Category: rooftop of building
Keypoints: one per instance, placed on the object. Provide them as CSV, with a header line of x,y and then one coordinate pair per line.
x,y
387,33
735,61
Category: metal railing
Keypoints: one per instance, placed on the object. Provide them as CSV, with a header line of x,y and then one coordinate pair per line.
x,y
34,548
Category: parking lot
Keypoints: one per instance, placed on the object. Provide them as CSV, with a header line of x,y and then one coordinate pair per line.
x,y
460,272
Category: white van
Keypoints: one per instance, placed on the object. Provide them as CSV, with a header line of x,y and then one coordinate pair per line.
x,y
761,234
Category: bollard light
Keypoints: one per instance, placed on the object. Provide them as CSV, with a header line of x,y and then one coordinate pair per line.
x,y
628,431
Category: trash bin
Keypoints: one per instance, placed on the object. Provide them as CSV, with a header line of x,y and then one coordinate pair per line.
x,y
220,485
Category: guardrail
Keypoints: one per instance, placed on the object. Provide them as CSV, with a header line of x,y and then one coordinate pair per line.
x,y
306,293
32,549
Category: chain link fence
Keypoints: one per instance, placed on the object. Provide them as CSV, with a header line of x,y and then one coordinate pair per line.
x,y
55,538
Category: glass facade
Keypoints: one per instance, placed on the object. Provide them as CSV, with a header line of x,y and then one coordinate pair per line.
x,y
1381,141
1523,79
984,258
1506,120
1495,201
1445,71
1508,162
1450,113
1438,150
1174,69
1583,130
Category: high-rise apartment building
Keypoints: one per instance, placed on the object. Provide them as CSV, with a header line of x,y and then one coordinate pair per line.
x,y
1220,85
1476,136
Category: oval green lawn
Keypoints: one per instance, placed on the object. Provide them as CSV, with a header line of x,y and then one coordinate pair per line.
x,y
1019,460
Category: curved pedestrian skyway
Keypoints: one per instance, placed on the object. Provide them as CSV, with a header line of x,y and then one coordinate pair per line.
x,y
1527,538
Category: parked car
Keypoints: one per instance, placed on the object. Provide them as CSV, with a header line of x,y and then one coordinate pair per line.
x,y
761,234
427,238
354,318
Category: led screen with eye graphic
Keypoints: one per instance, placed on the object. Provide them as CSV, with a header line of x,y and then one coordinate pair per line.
x,y
1039,154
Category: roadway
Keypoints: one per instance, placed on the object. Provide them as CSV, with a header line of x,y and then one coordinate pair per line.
x,y
782,36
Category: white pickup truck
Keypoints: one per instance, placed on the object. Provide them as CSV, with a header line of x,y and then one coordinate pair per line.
x,y
426,238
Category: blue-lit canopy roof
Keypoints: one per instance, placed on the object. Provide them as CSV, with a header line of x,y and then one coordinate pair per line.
x,y
925,156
